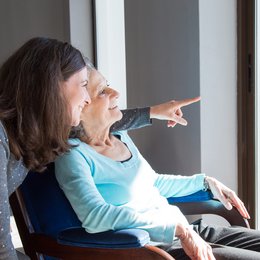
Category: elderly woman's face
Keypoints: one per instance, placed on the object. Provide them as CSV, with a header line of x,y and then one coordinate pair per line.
x,y
103,109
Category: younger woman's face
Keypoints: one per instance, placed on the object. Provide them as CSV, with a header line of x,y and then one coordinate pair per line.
x,y
76,94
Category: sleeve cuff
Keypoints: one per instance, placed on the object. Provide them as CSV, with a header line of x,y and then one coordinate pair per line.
x,y
200,181
145,114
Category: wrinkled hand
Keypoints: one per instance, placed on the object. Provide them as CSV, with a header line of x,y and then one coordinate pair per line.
x,y
171,111
226,196
193,245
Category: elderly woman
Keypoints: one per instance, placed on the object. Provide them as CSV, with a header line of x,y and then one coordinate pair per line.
x,y
111,186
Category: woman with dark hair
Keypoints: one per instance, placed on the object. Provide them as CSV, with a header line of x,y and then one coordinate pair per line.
x,y
42,93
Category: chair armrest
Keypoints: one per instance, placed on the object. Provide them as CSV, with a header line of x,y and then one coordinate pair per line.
x,y
126,238
202,202
197,196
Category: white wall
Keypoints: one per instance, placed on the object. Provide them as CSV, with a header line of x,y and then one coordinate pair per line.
x,y
218,88
110,40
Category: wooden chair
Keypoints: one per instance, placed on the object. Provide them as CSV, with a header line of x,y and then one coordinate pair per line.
x,y
49,228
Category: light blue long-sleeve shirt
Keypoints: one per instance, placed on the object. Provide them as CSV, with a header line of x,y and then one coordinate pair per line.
x,y
112,195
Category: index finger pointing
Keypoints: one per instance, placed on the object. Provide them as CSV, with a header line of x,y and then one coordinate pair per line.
x,y
188,101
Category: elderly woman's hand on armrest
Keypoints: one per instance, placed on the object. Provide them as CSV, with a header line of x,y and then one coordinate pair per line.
x,y
227,196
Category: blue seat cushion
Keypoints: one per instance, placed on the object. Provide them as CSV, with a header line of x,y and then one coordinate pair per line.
x,y
126,238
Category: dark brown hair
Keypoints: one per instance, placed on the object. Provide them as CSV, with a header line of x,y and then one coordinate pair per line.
x,y
32,104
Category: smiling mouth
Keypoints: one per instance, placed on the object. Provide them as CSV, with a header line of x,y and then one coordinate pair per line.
x,y
112,108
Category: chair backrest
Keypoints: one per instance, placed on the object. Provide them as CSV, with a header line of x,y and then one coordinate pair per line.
x,y
47,218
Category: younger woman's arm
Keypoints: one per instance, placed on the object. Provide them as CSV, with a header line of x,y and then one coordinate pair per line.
x,y
140,117
7,251
133,119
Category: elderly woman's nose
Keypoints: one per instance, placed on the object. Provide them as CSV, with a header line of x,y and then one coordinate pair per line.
x,y
115,93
